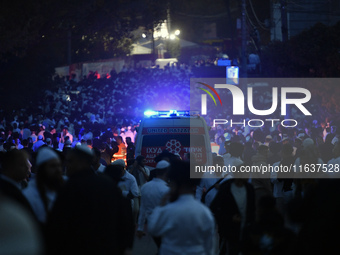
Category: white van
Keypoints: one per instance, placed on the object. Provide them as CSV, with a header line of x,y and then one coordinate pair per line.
x,y
178,132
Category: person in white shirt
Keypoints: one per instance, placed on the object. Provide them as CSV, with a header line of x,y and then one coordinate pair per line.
x,y
140,171
152,194
26,132
307,156
128,184
42,190
282,185
33,135
122,134
210,182
38,144
185,225
234,211
130,134
41,131
98,167
236,151
65,133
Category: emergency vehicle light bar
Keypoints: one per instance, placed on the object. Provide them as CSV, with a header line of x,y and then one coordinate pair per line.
x,y
170,113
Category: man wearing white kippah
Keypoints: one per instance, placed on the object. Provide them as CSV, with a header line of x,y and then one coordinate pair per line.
x,y
152,194
42,190
128,183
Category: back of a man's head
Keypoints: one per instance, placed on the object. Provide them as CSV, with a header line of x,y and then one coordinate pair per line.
x,y
180,174
236,149
15,165
263,150
79,160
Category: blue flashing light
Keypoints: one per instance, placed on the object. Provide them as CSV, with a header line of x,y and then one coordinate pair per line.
x,y
149,113
170,113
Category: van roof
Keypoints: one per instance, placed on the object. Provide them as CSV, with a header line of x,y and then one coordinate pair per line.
x,y
170,113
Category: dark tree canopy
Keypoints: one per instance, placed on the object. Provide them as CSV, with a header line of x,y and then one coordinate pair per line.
x,y
313,53
35,38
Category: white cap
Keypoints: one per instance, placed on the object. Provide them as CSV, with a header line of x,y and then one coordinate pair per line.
x,y
307,142
335,140
162,164
119,162
85,149
45,154
301,135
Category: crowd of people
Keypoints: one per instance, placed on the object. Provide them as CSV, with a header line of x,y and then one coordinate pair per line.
x,y
76,203
71,184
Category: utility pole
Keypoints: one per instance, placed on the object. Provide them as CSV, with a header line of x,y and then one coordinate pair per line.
x,y
284,32
153,54
168,18
244,41
230,24
284,22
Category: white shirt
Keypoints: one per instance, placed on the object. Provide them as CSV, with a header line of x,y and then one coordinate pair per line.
x,y
87,136
240,196
42,134
26,133
130,134
141,176
101,168
226,157
152,194
231,161
278,186
34,198
34,138
62,136
128,184
19,146
207,181
186,227
37,145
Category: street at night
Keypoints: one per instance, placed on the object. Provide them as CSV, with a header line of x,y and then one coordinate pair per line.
x,y
144,127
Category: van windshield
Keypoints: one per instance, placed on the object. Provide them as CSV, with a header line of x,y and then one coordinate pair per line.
x,y
152,145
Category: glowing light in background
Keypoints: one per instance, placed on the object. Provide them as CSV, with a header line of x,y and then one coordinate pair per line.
x,y
149,113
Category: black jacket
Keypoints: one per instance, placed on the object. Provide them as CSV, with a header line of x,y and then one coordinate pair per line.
x,y
12,192
224,208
